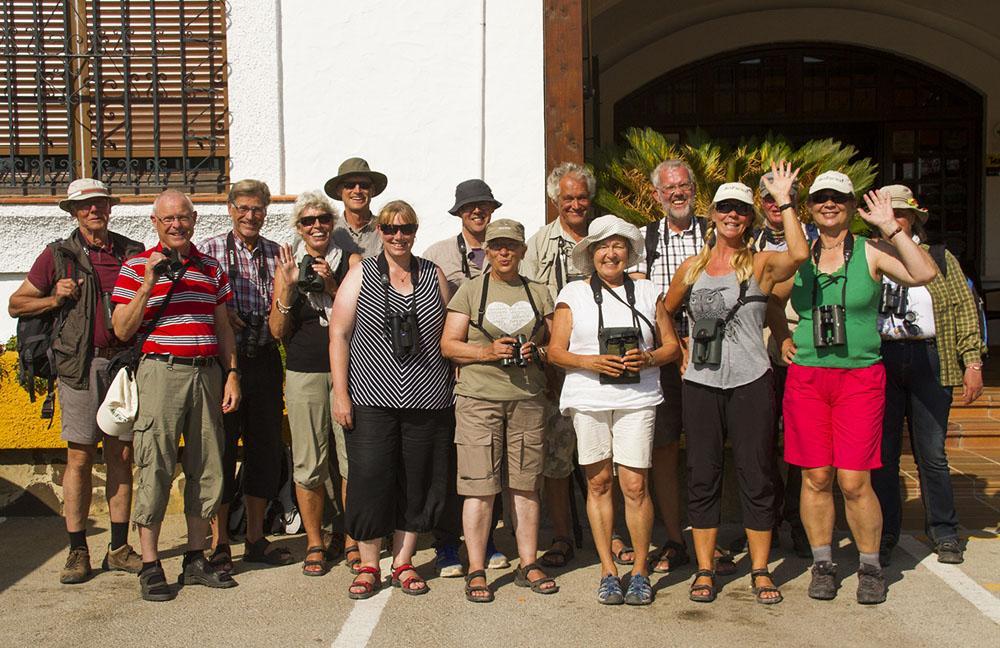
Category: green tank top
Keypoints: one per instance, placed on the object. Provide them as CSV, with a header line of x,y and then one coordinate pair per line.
x,y
863,347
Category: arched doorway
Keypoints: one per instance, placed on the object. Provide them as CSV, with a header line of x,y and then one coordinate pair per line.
x,y
922,127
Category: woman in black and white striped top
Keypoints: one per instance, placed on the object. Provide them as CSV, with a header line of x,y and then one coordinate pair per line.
x,y
393,394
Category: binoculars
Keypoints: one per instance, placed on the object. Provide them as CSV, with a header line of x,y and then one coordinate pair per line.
x,y
250,340
517,360
893,300
618,341
829,325
171,266
707,334
403,333
309,281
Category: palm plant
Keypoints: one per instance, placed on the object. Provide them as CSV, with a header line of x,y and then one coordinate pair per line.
x,y
623,172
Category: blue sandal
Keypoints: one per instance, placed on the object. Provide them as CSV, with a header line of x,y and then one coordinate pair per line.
x,y
640,592
609,592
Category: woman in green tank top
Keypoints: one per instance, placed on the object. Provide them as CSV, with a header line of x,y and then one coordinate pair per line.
x,y
835,393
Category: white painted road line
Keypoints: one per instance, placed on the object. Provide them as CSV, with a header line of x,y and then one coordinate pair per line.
x,y
361,622
955,578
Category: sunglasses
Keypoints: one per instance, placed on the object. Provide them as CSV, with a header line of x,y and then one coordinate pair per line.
x,y
821,197
726,206
361,184
309,221
408,229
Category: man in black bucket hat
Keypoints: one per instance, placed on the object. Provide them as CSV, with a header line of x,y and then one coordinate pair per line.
x,y
355,185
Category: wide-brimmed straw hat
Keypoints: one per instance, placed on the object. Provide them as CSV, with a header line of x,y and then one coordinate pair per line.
x,y
902,198
355,166
472,191
85,189
604,227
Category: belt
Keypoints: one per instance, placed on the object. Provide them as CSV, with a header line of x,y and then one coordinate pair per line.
x,y
931,341
108,352
193,361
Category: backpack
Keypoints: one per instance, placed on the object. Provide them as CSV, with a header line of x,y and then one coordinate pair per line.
x,y
653,241
937,251
35,334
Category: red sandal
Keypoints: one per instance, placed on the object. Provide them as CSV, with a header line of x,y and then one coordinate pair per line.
x,y
371,589
405,583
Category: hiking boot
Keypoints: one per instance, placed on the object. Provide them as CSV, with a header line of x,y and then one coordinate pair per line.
x,y
949,552
200,572
77,569
124,558
823,586
446,561
800,542
153,585
871,585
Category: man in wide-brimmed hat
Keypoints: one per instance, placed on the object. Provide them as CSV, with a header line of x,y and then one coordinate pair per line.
x,y
355,185
75,277
462,258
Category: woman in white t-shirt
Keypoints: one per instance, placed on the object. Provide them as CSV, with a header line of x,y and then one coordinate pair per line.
x,y
605,338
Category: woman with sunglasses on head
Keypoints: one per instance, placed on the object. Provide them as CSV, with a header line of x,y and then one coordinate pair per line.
x,y
835,390
604,336
728,385
300,317
392,393
930,343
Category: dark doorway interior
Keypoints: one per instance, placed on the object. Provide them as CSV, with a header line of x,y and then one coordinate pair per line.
x,y
922,127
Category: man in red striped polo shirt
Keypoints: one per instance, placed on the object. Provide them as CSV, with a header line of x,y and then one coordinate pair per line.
x,y
182,389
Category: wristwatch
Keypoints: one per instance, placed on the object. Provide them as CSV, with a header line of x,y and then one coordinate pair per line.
x,y
782,208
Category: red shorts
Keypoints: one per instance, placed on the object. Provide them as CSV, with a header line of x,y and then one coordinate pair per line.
x,y
833,417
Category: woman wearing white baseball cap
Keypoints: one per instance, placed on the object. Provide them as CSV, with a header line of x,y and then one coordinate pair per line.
x,y
728,387
835,391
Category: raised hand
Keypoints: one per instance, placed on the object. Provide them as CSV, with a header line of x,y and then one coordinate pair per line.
x,y
285,265
780,185
879,211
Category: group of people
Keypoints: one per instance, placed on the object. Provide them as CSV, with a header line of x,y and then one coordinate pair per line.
x,y
496,363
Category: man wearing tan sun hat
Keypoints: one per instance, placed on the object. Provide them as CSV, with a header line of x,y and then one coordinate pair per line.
x,y
355,185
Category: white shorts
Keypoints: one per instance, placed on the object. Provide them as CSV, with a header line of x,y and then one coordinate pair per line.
x,y
624,435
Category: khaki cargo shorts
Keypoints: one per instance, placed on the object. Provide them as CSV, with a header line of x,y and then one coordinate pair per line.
x,y
78,407
560,443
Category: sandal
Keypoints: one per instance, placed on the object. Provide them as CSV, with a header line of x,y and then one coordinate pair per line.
x,y
322,564
471,590
371,589
725,562
709,589
617,556
609,592
334,543
404,584
764,589
674,553
222,558
352,563
256,552
555,557
640,591
153,585
521,579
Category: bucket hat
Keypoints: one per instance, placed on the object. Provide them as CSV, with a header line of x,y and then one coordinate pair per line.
x,y
85,189
471,191
600,229
505,228
764,193
834,180
902,198
355,166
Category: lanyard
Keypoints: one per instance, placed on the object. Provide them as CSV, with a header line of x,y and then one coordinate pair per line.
x,y
816,251
263,274
383,270
597,285
478,325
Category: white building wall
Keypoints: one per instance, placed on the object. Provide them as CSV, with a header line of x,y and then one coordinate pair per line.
x,y
401,84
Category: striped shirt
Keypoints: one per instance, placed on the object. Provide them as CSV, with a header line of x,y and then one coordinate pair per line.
x,y
253,279
187,327
376,377
671,250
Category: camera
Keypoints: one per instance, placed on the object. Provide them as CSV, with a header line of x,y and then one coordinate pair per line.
x,y
403,333
706,341
309,281
893,300
171,266
250,340
829,325
619,341
517,360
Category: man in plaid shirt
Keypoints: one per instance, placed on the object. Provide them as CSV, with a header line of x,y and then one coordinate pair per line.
x,y
249,260
677,237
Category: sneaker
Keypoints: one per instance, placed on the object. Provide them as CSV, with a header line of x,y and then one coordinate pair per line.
x,y
124,558
949,552
201,572
495,559
800,542
77,569
871,585
446,561
823,586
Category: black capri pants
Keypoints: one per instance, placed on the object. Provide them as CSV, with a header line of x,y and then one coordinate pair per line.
x,y
399,469
744,415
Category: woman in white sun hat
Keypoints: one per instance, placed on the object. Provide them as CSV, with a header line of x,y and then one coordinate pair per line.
x,y
728,390
605,338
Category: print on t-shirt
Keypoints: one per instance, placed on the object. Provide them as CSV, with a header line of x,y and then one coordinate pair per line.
x,y
510,319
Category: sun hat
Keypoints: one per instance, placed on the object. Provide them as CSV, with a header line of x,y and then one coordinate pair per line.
x,y
471,191
764,193
832,180
355,166
117,413
600,229
504,228
85,189
902,198
733,191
